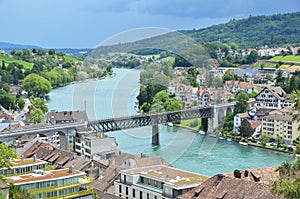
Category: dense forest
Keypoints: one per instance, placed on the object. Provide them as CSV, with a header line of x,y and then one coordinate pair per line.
x,y
255,31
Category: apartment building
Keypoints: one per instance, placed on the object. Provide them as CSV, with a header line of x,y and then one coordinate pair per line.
x,y
155,182
24,165
54,183
280,123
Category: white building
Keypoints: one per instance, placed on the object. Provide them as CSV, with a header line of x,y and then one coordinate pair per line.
x,y
238,118
273,98
89,146
156,182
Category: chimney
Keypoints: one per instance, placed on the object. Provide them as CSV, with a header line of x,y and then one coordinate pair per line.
x,y
34,158
71,169
237,173
246,173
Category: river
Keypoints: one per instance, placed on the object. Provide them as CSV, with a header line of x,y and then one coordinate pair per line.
x,y
115,97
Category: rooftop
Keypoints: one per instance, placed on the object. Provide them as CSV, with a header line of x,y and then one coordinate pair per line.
x,y
225,187
169,175
44,176
279,117
26,161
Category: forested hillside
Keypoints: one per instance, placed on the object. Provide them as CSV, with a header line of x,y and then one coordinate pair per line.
x,y
275,30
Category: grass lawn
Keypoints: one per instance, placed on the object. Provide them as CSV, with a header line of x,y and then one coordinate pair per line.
x,y
194,124
70,59
156,56
8,60
286,58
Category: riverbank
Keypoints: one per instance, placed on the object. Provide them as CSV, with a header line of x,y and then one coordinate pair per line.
x,y
115,97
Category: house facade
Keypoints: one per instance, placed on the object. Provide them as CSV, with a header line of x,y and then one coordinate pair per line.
x,y
89,146
280,123
272,98
156,182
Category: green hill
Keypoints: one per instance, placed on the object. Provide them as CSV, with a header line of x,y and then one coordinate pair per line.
x,y
256,31
9,59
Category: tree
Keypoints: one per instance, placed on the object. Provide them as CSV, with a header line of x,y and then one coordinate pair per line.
x,y
34,51
264,139
38,103
3,67
41,52
252,57
228,123
228,75
6,156
241,104
278,140
296,100
36,85
288,182
15,192
20,103
36,116
6,100
51,52
246,129
298,51
280,80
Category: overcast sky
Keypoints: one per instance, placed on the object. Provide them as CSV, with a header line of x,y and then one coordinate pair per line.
x,y
87,23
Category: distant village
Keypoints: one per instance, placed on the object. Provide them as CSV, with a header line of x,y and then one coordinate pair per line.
x,y
90,164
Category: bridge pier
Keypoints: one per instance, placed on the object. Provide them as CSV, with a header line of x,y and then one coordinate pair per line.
x,y
155,134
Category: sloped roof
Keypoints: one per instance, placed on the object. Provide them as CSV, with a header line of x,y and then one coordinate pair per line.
x,y
254,123
220,186
109,196
279,117
79,116
265,174
243,115
3,185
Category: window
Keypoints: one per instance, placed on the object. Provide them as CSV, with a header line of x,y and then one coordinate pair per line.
x,y
124,178
141,195
133,193
120,189
126,190
148,196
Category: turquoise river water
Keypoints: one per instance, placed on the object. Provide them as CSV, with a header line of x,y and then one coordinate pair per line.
x,y
115,97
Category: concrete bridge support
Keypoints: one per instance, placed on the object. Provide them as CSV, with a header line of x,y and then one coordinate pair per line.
x,y
155,135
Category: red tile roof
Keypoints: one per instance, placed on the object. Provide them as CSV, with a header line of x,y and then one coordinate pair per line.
x,y
220,186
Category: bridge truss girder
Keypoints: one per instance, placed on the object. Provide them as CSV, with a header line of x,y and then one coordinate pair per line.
x,y
116,124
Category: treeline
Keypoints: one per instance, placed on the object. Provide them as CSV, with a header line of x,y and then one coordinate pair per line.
x,y
153,96
255,31
49,69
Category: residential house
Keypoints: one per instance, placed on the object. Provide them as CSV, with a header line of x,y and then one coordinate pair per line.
x,y
253,183
92,147
204,97
66,117
236,86
273,98
156,182
238,118
280,123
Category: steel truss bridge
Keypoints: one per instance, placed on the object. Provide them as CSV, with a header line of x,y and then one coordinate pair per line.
x,y
115,124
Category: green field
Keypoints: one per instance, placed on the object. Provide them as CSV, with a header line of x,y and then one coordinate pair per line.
x,y
156,56
286,58
8,60
195,124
